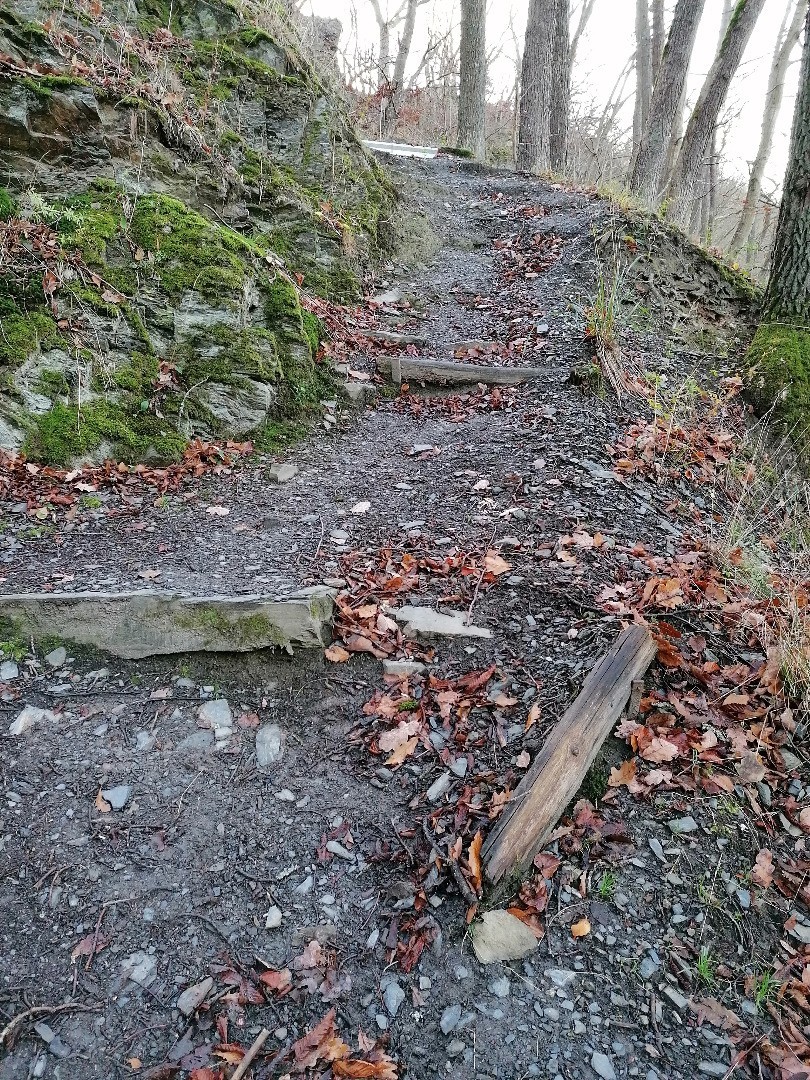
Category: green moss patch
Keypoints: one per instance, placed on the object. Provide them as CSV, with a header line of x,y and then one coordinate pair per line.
x,y
68,432
778,378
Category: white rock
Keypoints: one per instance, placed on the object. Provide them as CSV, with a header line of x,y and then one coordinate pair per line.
x,y
272,919
439,787
141,968
500,936
281,474
192,998
338,849
402,667
217,716
269,745
57,657
601,1065
393,996
427,621
28,718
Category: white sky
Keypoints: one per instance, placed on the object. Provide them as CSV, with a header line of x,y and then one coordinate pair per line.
x,y
602,54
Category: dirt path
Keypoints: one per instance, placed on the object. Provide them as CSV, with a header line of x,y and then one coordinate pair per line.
x,y
219,864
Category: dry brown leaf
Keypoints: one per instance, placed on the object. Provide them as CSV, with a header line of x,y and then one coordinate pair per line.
x,y
804,819
403,752
762,873
102,805
391,740
495,565
750,769
581,928
337,654
382,1069
321,1044
624,776
474,859
659,751
534,715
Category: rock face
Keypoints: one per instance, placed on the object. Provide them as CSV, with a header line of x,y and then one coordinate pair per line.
x,y
133,625
175,176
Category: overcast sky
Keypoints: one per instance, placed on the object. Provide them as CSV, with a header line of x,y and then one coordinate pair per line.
x,y
602,54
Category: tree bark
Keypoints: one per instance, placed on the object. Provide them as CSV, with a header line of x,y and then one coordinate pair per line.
x,y
560,94
788,294
649,162
786,43
398,77
699,130
657,37
644,76
535,105
473,80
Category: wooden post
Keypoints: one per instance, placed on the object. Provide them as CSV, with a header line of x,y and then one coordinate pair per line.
x,y
559,769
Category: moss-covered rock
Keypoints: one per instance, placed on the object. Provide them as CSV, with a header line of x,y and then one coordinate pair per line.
x,y
778,379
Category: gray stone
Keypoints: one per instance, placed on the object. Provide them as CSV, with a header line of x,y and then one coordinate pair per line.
x,y
647,968
801,932
499,936
393,996
427,622
455,1048
459,767
678,1000
8,671
144,741
602,1066
217,716
273,918
269,745
200,742
560,977
240,406
117,796
193,997
439,787
501,988
281,474
141,968
403,667
450,1017
679,826
657,849
57,657
151,623
336,848
713,1068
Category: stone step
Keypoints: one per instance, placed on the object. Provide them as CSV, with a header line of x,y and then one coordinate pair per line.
x,y
153,623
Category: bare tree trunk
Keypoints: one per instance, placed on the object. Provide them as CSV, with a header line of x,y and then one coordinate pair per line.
x,y
773,102
560,100
535,107
712,171
788,295
472,92
649,162
657,38
398,77
641,112
585,13
704,116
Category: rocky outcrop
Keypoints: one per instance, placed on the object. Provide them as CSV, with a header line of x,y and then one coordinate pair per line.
x,y
178,181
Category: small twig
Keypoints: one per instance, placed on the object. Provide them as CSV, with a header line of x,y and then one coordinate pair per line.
x,y
463,885
41,1010
252,1053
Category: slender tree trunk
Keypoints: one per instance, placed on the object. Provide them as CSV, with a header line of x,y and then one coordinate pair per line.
x,y
535,95
644,78
649,162
712,168
472,91
560,94
585,13
773,102
398,77
697,140
657,38
788,294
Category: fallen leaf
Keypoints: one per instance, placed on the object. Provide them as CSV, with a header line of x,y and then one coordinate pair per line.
x,y
659,750
337,654
280,982
382,1069
762,873
321,1044
804,819
89,946
393,739
495,565
523,759
581,928
149,575
403,752
102,805
624,776
134,1063
750,769
534,715
474,859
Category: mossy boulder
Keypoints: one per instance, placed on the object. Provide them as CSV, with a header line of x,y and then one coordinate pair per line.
x,y
777,380
203,187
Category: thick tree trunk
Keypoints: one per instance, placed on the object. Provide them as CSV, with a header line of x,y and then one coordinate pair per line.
x,y
533,153
786,43
473,81
699,130
788,295
644,76
649,162
560,93
657,38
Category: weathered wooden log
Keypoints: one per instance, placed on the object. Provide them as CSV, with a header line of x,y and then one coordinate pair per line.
x,y
559,769
447,373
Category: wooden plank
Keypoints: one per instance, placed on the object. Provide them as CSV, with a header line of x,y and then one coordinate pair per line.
x,y
445,372
560,767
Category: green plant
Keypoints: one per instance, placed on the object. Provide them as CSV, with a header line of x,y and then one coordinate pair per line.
x,y
765,987
607,885
91,502
705,966
14,648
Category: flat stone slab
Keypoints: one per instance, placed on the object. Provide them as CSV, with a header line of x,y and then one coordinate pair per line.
x,y
446,373
154,623
427,622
